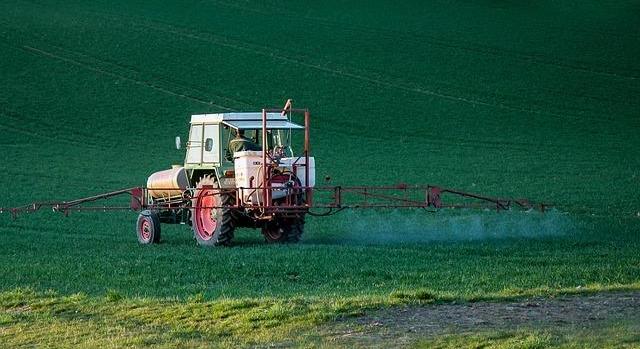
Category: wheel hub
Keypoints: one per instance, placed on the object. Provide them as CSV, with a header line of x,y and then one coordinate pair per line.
x,y
145,229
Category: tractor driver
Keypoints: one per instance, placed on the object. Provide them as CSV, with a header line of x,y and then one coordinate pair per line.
x,y
241,143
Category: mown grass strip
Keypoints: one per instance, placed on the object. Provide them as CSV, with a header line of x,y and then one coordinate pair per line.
x,y
52,319
612,335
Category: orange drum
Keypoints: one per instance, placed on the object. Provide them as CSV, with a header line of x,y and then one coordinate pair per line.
x,y
168,183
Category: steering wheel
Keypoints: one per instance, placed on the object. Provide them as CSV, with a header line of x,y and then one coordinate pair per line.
x,y
278,152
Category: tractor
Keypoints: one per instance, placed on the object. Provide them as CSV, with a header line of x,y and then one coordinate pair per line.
x,y
270,187
217,191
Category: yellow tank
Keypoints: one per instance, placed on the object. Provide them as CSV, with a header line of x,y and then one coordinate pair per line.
x,y
168,183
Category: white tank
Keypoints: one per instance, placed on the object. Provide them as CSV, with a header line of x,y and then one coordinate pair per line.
x,y
247,165
248,172
296,165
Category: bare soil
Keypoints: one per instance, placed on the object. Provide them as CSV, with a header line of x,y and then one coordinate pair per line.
x,y
402,326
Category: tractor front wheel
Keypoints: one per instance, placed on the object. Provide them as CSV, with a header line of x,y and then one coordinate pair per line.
x,y
211,215
148,227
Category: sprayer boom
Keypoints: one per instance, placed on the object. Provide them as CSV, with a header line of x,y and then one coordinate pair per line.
x,y
326,200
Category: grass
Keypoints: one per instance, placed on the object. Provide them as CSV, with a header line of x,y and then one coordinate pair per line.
x,y
114,293
51,319
526,100
344,264
612,335
112,321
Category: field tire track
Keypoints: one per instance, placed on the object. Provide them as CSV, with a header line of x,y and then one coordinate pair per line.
x,y
154,82
421,38
15,145
351,73
272,53
471,143
370,76
463,46
136,71
18,118
56,139
41,52
348,72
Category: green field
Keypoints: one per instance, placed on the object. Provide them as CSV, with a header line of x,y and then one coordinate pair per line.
x,y
537,100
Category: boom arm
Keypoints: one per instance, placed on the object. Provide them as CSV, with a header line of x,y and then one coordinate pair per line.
x,y
330,198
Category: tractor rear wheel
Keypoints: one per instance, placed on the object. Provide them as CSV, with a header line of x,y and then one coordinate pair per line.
x,y
284,230
289,229
212,223
148,227
296,229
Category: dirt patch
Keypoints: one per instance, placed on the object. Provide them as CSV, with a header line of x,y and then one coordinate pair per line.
x,y
402,326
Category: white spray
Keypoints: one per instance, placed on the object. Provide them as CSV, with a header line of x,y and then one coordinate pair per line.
x,y
382,227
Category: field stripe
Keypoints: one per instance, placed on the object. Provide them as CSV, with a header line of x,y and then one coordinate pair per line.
x,y
274,54
43,123
420,38
345,71
492,143
120,76
470,143
352,73
156,79
56,139
15,145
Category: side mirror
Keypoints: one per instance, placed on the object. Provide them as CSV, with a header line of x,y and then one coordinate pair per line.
x,y
178,142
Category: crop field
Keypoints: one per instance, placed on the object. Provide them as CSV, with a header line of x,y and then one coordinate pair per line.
x,y
518,99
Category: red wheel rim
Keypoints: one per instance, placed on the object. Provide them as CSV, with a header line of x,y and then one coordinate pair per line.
x,y
145,228
204,214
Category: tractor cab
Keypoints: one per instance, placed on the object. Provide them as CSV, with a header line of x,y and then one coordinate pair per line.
x,y
209,153
278,133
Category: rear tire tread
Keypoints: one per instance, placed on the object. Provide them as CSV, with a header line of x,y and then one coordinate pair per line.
x,y
224,231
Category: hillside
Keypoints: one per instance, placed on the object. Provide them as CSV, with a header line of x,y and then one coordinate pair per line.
x,y
502,98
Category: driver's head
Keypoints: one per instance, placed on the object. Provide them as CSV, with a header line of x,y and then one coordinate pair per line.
x,y
240,132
